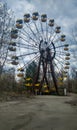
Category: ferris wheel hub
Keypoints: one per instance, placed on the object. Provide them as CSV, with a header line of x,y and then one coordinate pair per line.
x,y
43,45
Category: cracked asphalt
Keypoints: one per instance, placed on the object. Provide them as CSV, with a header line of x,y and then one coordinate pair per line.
x,y
39,113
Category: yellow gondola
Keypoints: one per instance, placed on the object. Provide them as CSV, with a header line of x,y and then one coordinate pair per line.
x,y
46,91
26,18
14,36
20,69
14,62
67,54
20,75
28,79
12,43
66,67
60,78
15,57
58,29
37,85
53,89
51,22
28,84
66,45
62,38
19,23
67,58
65,72
60,83
36,90
11,48
65,76
43,17
66,49
35,16
67,63
19,26
14,33
45,86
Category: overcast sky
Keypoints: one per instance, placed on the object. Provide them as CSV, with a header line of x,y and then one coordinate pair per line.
x,y
63,11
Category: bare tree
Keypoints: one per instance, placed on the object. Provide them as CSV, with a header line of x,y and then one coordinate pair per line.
x,y
73,69
7,80
6,23
74,42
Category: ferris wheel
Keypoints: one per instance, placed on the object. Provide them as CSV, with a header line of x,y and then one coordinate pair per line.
x,y
38,38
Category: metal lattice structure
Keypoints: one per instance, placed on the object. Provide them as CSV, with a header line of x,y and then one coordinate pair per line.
x,y
38,38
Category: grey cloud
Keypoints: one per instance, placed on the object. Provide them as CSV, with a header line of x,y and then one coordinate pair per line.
x,y
63,11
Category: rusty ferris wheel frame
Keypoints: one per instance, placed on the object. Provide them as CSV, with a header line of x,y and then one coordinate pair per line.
x,y
38,38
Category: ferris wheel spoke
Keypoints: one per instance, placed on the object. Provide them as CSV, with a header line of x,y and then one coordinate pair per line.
x,y
62,58
60,52
38,32
34,34
60,61
27,47
59,46
29,70
33,59
53,35
29,62
50,45
46,31
24,39
58,67
27,42
41,25
21,54
2,53
57,40
27,54
29,36
20,44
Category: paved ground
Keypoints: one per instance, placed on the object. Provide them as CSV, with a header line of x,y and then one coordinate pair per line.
x,y
39,113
